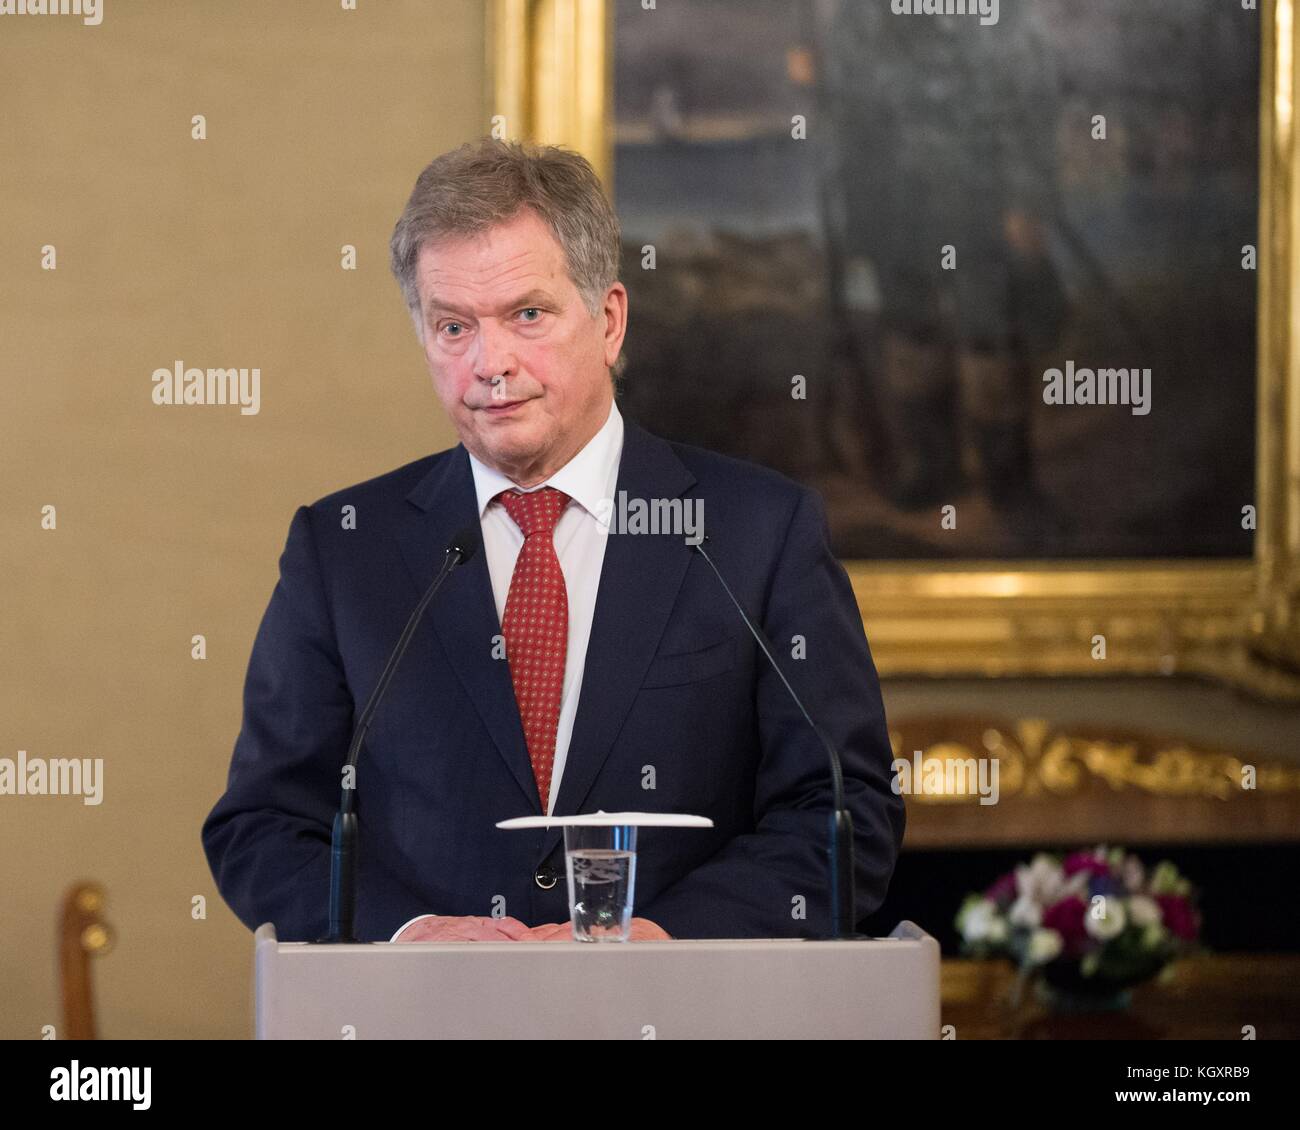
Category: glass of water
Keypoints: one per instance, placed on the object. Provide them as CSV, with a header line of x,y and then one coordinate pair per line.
x,y
601,864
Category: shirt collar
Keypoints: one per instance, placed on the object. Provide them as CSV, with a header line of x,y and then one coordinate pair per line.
x,y
589,478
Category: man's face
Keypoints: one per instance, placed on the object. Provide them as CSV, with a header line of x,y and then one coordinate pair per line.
x,y
519,364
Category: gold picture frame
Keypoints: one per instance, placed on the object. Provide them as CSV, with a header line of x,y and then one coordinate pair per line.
x,y
550,80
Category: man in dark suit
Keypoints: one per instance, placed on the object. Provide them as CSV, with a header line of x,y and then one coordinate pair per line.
x,y
576,663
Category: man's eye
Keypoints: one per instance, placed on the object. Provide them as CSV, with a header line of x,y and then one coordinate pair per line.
x,y
449,325
534,309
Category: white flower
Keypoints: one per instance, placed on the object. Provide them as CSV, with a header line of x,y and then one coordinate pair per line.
x,y
1076,884
1104,918
1044,945
998,931
977,920
1144,911
1025,912
1041,881
1133,873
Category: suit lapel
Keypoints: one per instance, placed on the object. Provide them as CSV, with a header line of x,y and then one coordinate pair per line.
x,y
463,614
639,580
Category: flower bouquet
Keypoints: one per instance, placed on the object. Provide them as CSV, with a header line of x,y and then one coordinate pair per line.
x,y
1090,926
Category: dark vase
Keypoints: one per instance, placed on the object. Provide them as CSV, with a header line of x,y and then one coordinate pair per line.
x,y
1071,1006
1064,988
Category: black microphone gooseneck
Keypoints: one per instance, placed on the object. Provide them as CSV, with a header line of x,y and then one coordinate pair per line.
x,y
840,850
343,840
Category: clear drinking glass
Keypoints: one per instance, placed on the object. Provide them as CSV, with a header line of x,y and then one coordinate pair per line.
x,y
601,865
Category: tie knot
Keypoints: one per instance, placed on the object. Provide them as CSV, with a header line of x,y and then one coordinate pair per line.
x,y
534,512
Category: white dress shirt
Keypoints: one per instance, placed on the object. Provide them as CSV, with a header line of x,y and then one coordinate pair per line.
x,y
589,479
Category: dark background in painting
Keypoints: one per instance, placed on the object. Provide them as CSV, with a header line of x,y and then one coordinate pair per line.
x,y
821,258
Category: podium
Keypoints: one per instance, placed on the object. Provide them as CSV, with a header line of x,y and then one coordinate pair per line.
x,y
874,988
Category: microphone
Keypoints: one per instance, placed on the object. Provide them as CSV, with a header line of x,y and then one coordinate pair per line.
x,y
840,845
343,839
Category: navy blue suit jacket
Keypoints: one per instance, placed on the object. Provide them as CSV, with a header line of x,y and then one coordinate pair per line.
x,y
675,694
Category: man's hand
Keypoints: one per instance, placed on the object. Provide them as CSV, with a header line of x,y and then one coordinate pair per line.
x,y
464,929
643,930
446,928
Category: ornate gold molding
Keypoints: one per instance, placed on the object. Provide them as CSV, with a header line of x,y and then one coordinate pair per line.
x,y
1037,761
1237,621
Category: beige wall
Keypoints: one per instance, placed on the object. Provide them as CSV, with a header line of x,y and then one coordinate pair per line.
x,y
224,252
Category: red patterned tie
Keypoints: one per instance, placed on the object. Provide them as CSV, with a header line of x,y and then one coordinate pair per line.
x,y
536,625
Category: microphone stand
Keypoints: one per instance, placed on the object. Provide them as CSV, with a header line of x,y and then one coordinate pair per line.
x,y
343,838
840,846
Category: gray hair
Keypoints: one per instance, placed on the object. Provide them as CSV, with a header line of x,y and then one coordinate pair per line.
x,y
465,191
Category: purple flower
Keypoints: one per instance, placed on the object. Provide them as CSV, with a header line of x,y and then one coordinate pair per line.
x,y
1066,918
1003,891
1179,916
1085,861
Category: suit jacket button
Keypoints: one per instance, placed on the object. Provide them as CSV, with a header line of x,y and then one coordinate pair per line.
x,y
545,877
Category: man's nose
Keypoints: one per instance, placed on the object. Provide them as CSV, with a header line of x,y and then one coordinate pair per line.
x,y
493,355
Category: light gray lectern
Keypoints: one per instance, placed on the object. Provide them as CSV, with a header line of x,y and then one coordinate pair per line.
x,y
879,988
